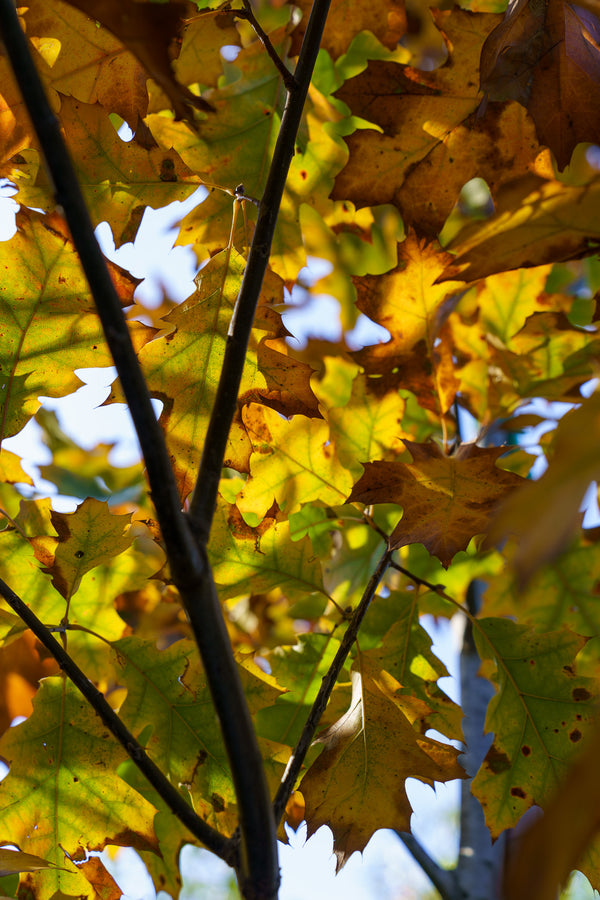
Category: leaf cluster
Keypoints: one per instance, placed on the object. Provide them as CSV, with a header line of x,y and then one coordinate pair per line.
x,y
455,214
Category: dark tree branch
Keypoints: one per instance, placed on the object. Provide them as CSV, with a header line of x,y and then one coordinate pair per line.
x,y
163,787
248,13
304,741
259,873
204,498
443,880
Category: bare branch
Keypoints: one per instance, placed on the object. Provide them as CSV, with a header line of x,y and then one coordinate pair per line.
x,y
188,563
444,880
248,13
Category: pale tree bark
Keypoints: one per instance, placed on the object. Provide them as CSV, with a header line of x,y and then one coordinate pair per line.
x,y
480,862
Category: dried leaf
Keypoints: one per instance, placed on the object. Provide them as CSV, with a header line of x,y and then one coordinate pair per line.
x,y
545,55
352,787
447,500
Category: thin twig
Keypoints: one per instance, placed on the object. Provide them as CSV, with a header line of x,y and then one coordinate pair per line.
x,y
247,13
204,498
163,787
300,750
443,880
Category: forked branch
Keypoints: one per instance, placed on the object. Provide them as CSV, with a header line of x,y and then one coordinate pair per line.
x,y
188,563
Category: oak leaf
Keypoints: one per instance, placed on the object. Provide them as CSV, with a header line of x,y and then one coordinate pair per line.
x,y
406,654
255,560
539,716
292,463
89,537
53,328
434,138
447,500
92,65
562,835
63,757
229,151
118,178
351,786
168,699
148,30
536,221
546,56
410,305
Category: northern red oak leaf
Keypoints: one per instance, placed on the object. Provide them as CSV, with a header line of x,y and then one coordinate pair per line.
x,y
447,500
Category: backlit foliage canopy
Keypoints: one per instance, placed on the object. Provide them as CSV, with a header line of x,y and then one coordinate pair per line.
x,y
346,482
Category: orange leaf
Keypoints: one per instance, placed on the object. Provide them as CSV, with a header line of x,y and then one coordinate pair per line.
x,y
434,136
447,500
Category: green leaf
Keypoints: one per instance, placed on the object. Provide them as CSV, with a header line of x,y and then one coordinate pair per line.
x,y
61,790
256,560
54,328
540,714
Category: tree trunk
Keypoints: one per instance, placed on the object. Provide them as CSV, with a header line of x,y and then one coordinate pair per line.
x,y
480,861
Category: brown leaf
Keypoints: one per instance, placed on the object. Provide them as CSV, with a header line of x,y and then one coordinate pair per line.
x,y
352,787
148,30
546,57
447,500
432,124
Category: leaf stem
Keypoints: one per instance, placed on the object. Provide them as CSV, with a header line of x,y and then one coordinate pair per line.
x,y
247,13
304,741
163,787
202,504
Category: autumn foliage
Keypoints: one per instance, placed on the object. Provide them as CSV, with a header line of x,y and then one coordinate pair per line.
x,y
348,495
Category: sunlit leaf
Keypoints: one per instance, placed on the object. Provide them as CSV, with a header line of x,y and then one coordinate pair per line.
x,y
447,500
62,786
351,787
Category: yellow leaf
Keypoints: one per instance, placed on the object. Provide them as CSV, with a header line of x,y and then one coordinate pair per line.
x,y
536,221
292,463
